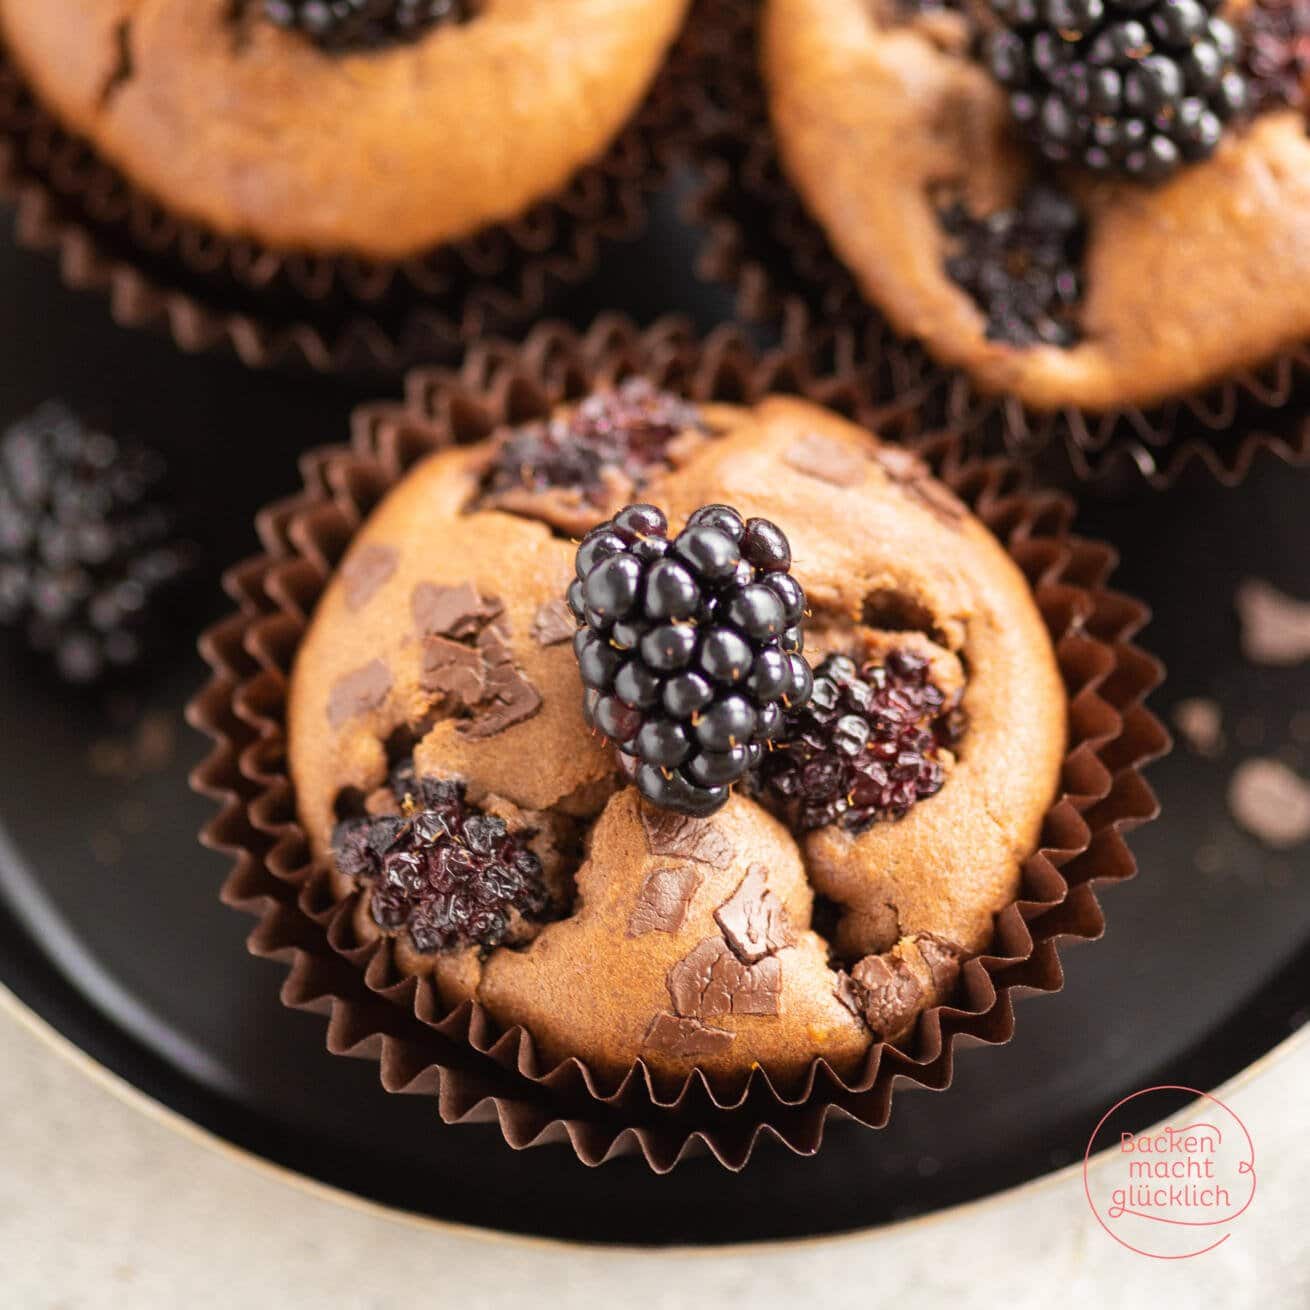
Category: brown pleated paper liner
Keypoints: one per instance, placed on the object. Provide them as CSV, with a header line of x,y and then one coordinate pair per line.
x,y
480,1071
332,314
761,241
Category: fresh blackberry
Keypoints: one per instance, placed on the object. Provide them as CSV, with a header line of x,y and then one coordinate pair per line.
x,y
1276,53
626,430
84,550
441,870
1022,266
364,24
690,649
1133,87
865,748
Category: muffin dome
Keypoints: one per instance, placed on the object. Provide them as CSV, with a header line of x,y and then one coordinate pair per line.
x,y
253,130
902,146
437,687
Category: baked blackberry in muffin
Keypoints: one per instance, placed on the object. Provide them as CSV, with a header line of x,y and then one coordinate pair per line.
x,y
377,128
1091,204
447,775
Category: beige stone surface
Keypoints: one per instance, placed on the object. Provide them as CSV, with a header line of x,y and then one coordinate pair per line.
x,y
102,1206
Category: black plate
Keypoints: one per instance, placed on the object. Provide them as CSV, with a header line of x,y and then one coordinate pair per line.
x,y
110,928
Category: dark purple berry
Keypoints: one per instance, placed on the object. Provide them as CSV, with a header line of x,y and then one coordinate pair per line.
x,y
342,25
865,748
689,672
443,872
85,554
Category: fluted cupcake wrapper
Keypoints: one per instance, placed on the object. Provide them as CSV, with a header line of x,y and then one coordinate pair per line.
x,y
328,313
761,241
480,1070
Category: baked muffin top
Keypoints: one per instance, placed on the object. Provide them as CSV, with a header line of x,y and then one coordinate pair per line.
x,y
385,150
905,148
444,767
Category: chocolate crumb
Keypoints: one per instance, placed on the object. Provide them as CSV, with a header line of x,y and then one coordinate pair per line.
x,y
366,571
1200,723
753,920
827,460
554,623
1271,802
664,899
1275,627
358,692
684,1038
712,981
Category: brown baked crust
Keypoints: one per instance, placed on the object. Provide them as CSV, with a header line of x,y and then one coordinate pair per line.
x,y
919,893
1184,284
254,132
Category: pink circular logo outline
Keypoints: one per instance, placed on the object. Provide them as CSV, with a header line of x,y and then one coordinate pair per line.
x,y
1246,1166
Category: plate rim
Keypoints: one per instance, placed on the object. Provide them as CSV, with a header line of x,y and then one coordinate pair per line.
x,y
127,1093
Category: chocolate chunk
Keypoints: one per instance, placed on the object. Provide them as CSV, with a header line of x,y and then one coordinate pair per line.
x,y
887,995
664,899
458,612
1200,723
943,961
684,1038
366,572
753,919
1275,627
713,981
1271,802
510,699
453,670
554,623
827,460
848,994
915,478
493,642
358,692
678,837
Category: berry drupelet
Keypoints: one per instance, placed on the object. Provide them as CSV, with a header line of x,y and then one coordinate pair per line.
x,y
442,871
85,551
1133,87
1021,265
865,748
363,24
690,648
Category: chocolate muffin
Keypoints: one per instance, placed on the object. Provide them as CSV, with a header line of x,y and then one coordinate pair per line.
x,y
1084,203
447,773
380,128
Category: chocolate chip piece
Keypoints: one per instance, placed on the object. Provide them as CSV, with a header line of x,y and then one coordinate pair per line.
x,y
915,478
664,899
753,919
358,692
1271,802
365,573
675,836
453,670
883,991
943,961
1275,627
684,1038
510,699
554,623
458,612
827,460
712,981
